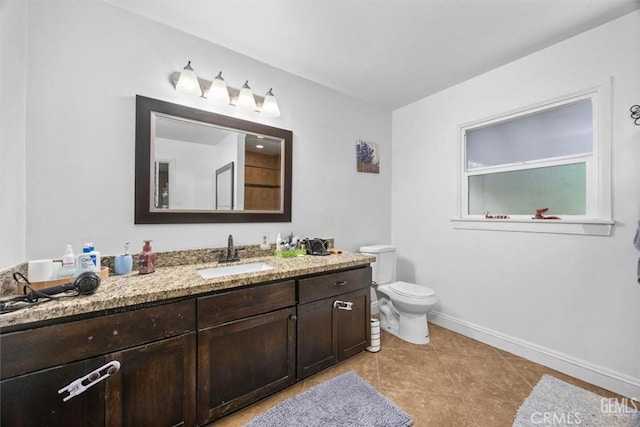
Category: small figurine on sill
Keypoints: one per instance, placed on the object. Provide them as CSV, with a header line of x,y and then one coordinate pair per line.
x,y
541,211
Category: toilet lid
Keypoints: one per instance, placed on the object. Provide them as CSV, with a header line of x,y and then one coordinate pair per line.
x,y
411,290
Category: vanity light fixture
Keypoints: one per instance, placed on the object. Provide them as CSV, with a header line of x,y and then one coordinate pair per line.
x,y
270,105
246,101
218,93
188,81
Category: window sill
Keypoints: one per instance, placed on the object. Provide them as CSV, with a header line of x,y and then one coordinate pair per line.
x,y
586,227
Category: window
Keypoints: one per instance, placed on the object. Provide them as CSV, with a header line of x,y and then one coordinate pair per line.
x,y
554,155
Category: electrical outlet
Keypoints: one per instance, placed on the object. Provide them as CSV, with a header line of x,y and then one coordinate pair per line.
x,y
264,241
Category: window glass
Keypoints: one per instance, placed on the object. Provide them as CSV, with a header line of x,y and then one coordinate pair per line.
x,y
561,131
520,192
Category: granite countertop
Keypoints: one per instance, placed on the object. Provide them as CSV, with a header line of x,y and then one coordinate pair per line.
x,y
177,281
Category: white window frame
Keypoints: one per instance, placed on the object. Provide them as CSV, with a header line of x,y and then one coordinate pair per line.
x,y
597,220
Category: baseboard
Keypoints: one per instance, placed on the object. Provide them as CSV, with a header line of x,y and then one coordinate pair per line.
x,y
577,368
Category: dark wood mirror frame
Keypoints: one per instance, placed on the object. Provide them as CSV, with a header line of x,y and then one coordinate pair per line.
x,y
143,191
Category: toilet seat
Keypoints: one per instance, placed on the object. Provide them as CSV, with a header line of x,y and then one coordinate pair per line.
x,y
411,290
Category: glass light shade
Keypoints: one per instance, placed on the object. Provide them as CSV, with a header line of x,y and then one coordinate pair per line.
x,y
246,101
188,81
270,105
218,92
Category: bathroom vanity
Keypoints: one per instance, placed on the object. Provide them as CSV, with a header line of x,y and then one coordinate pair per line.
x,y
189,350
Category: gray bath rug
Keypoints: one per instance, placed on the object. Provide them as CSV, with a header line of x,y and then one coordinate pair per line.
x,y
346,400
556,403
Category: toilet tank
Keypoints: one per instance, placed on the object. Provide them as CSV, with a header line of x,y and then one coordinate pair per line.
x,y
384,269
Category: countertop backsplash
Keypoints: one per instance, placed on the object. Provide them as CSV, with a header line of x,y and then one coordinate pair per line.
x,y
8,286
176,277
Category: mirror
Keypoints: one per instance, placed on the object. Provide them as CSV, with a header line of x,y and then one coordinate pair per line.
x,y
194,166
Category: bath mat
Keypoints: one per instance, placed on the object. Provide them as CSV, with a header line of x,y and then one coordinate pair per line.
x,y
553,402
346,400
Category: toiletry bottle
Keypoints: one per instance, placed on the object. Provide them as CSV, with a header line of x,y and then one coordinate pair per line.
x,y
68,268
85,262
147,259
95,256
69,258
279,243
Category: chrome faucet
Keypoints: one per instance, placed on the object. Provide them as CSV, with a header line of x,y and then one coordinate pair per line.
x,y
232,253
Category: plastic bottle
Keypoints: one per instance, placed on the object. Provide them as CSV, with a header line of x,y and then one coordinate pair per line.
x,y
85,262
95,257
69,258
147,259
279,243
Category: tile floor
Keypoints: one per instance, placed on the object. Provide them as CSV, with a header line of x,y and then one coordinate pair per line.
x,y
453,381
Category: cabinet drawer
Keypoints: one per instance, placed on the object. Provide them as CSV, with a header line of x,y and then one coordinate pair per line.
x,y
31,350
329,285
239,303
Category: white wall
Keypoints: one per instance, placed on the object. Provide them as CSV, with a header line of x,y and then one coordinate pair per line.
x,y
87,61
574,297
12,131
192,183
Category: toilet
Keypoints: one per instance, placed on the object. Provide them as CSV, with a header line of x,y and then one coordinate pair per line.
x,y
403,306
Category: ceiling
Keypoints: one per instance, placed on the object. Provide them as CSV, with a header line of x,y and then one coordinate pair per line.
x,y
178,129
386,52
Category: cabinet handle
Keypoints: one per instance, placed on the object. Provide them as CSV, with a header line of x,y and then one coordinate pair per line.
x,y
341,283
92,378
293,317
343,305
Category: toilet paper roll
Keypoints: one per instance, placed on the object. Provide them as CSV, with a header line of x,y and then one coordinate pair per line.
x,y
40,270
375,336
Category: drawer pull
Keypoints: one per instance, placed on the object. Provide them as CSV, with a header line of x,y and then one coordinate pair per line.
x,y
293,317
341,283
92,378
343,305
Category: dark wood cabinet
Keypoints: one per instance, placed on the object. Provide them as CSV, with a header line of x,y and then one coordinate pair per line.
x,y
243,359
354,326
184,363
155,385
317,337
334,321
33,400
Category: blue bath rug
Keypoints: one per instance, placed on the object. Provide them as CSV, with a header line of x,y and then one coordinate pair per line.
x,y
344,401
553,402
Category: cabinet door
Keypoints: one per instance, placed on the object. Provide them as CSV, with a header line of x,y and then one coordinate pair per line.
x,y
33,399
354,327
243,361
317,337
155,385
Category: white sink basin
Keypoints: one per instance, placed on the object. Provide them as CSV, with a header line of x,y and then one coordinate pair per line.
x,y
230,270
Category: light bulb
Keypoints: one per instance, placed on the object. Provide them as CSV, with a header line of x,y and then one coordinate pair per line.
x,y
188,81
270,105
218,93
246,101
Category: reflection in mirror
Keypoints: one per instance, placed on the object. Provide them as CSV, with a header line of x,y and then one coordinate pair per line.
x,y
191,153
224,187
196,166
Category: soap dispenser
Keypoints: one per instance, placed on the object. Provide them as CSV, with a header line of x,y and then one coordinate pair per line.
x,y
147,259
